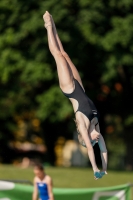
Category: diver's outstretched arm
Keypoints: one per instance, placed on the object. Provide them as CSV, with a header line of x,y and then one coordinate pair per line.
x,y
103,150
84,136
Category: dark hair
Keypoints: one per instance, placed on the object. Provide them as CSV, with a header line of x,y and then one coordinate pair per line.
x,y
39,166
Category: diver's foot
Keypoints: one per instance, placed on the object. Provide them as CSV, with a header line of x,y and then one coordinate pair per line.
x,y
47,19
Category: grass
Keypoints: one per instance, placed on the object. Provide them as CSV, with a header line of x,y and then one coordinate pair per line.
x,y
68,177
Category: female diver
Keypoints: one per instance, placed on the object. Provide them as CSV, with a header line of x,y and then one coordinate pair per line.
x,y
86,114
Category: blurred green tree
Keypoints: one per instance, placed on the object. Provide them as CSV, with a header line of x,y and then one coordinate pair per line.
x,y
98,37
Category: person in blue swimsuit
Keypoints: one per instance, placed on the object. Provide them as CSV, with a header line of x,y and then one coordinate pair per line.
x,y
42,184
86,114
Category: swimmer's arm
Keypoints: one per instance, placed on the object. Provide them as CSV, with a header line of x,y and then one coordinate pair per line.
x,y
103,150
35,191
84,133
50,192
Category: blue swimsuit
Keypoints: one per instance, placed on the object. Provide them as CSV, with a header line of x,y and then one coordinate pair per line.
x,y
43,191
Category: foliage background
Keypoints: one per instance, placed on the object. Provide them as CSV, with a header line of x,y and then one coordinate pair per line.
x,y
98,37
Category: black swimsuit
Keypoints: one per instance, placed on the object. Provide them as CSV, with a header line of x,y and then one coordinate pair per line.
x,y
86,106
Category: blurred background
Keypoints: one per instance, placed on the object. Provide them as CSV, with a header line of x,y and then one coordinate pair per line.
x,y
36,120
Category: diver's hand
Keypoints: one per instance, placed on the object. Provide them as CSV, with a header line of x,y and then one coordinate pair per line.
x,y
94,135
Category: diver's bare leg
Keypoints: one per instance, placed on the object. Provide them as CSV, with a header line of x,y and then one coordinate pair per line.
x,y
73,68
64,71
